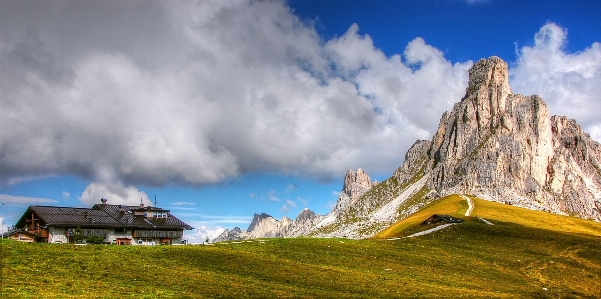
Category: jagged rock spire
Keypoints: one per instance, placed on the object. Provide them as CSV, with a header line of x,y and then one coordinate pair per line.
x,y
505,147
356,183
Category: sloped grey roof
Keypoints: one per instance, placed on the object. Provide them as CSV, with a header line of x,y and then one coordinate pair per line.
x,y
104,215
124,214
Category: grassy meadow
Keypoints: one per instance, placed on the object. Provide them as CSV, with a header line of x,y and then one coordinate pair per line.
x,y
472,259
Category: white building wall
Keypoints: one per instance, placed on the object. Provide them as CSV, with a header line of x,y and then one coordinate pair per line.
x,y
57,235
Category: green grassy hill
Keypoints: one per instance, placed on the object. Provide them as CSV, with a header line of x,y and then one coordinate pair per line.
x,y
497,213
561,259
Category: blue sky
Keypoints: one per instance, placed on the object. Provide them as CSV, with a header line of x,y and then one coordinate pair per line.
x,y
226,109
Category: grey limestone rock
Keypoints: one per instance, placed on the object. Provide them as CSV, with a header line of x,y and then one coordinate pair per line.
x,y
505,147
493,144
265,226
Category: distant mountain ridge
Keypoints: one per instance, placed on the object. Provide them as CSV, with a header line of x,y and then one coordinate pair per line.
x,y
265,226
493,144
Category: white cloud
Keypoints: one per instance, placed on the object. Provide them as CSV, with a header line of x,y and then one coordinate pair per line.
x,y
211,225
258,90
595,132
272,196
209,90
115,193
3,226
66,195
25,200
570,83
290,188
288,205
200,234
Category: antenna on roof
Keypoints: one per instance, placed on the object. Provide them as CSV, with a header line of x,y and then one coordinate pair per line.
x,y
155,201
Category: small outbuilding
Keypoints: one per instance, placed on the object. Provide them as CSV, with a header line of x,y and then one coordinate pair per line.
x,y
441,218
20,235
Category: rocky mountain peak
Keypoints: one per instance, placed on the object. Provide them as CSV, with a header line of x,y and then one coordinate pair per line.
x,y
304,215
493,144
356,183
487,93
256,220
489,74
505,147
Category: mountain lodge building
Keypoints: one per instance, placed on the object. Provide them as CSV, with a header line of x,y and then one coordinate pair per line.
x,y
113,224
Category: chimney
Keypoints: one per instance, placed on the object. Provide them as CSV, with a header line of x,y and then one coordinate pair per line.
x,y
103,200
141,204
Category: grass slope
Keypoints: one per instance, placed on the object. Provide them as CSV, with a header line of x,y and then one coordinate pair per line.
x,y
452,205
507,260
455,205
505,213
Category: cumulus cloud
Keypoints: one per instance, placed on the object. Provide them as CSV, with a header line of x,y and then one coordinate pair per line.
x,y
570,83
211,226
115,193
252,88
208,90
200,234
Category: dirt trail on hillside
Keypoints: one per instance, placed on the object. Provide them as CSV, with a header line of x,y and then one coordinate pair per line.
x,y
469,203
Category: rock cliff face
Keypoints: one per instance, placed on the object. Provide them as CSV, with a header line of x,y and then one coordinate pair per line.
x,y
493,144
235,234
505,147
355,185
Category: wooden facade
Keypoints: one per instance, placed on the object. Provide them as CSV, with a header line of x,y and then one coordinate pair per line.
x,y
142,233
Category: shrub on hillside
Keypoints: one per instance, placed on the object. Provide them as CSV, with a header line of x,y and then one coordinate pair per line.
x,y
94,240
